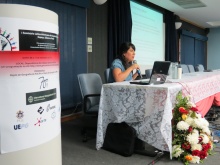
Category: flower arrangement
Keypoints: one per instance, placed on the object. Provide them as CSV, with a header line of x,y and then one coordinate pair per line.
x,y
192,141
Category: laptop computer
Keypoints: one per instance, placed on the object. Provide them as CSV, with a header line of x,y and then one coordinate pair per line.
x,y
159,74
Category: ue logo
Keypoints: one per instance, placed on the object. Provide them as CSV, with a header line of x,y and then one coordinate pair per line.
x,y
20,126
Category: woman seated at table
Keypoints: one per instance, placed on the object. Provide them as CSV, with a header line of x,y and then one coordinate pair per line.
x,y
122,67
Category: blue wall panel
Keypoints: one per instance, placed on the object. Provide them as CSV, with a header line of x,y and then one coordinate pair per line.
x,y
214,49
187,50
193,48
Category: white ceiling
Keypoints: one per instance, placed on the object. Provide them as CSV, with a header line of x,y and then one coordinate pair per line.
x,y
199,16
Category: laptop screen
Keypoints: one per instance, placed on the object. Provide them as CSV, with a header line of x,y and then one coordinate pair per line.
x,y
159,72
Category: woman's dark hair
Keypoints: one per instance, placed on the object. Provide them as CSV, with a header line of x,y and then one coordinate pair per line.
x,y
123,49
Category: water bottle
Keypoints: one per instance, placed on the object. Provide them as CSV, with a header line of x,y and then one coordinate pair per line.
x,y
179,70
174,70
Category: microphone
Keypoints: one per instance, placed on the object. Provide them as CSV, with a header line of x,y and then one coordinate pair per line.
x,y
138,70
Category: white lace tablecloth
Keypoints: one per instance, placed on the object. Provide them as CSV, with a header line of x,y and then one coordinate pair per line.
x,y
200,85
149,108
146,108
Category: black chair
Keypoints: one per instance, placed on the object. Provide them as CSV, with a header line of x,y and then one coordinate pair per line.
x,y
90,86
148,73
106,74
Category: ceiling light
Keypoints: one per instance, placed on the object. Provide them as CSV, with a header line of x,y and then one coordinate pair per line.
x,y
178,25
214,24
99,2
188,4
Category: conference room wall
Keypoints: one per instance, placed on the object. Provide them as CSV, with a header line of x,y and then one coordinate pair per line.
x,y
213,52
97,28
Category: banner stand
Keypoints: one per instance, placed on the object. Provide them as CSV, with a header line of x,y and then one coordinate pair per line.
x,y
30,128
45,154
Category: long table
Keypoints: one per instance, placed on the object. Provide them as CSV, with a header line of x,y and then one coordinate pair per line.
x,y
148,109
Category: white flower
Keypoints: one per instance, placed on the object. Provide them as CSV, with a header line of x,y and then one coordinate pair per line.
x,y
189,120
193,138
198,115
197,123
195,159
205,138
177,151
191,104
188,97
206,130
196,147
204,122
195,131
182,126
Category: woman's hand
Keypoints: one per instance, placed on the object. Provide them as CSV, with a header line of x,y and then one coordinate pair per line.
x,y
135,66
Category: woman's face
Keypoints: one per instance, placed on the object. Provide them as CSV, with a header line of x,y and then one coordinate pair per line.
x,y
129,55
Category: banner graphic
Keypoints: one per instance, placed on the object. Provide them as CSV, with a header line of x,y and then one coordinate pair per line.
x,y
30,90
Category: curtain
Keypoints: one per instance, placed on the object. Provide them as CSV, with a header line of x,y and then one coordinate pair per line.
x,y
119,24
170,38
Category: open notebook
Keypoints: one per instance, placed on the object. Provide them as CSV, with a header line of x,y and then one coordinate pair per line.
x,y
159,74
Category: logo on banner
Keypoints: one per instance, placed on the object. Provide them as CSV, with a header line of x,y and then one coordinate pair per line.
x,y
41,96
20,116
39,121
53,114
20,126
30,99
44,82
50,107
6,41
40,110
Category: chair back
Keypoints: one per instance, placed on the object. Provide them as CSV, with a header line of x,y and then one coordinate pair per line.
x,y
199,68
191,68
106,74
148,73
90,83
184,68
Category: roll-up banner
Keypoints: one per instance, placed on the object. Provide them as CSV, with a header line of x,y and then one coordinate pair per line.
x,y
29,77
